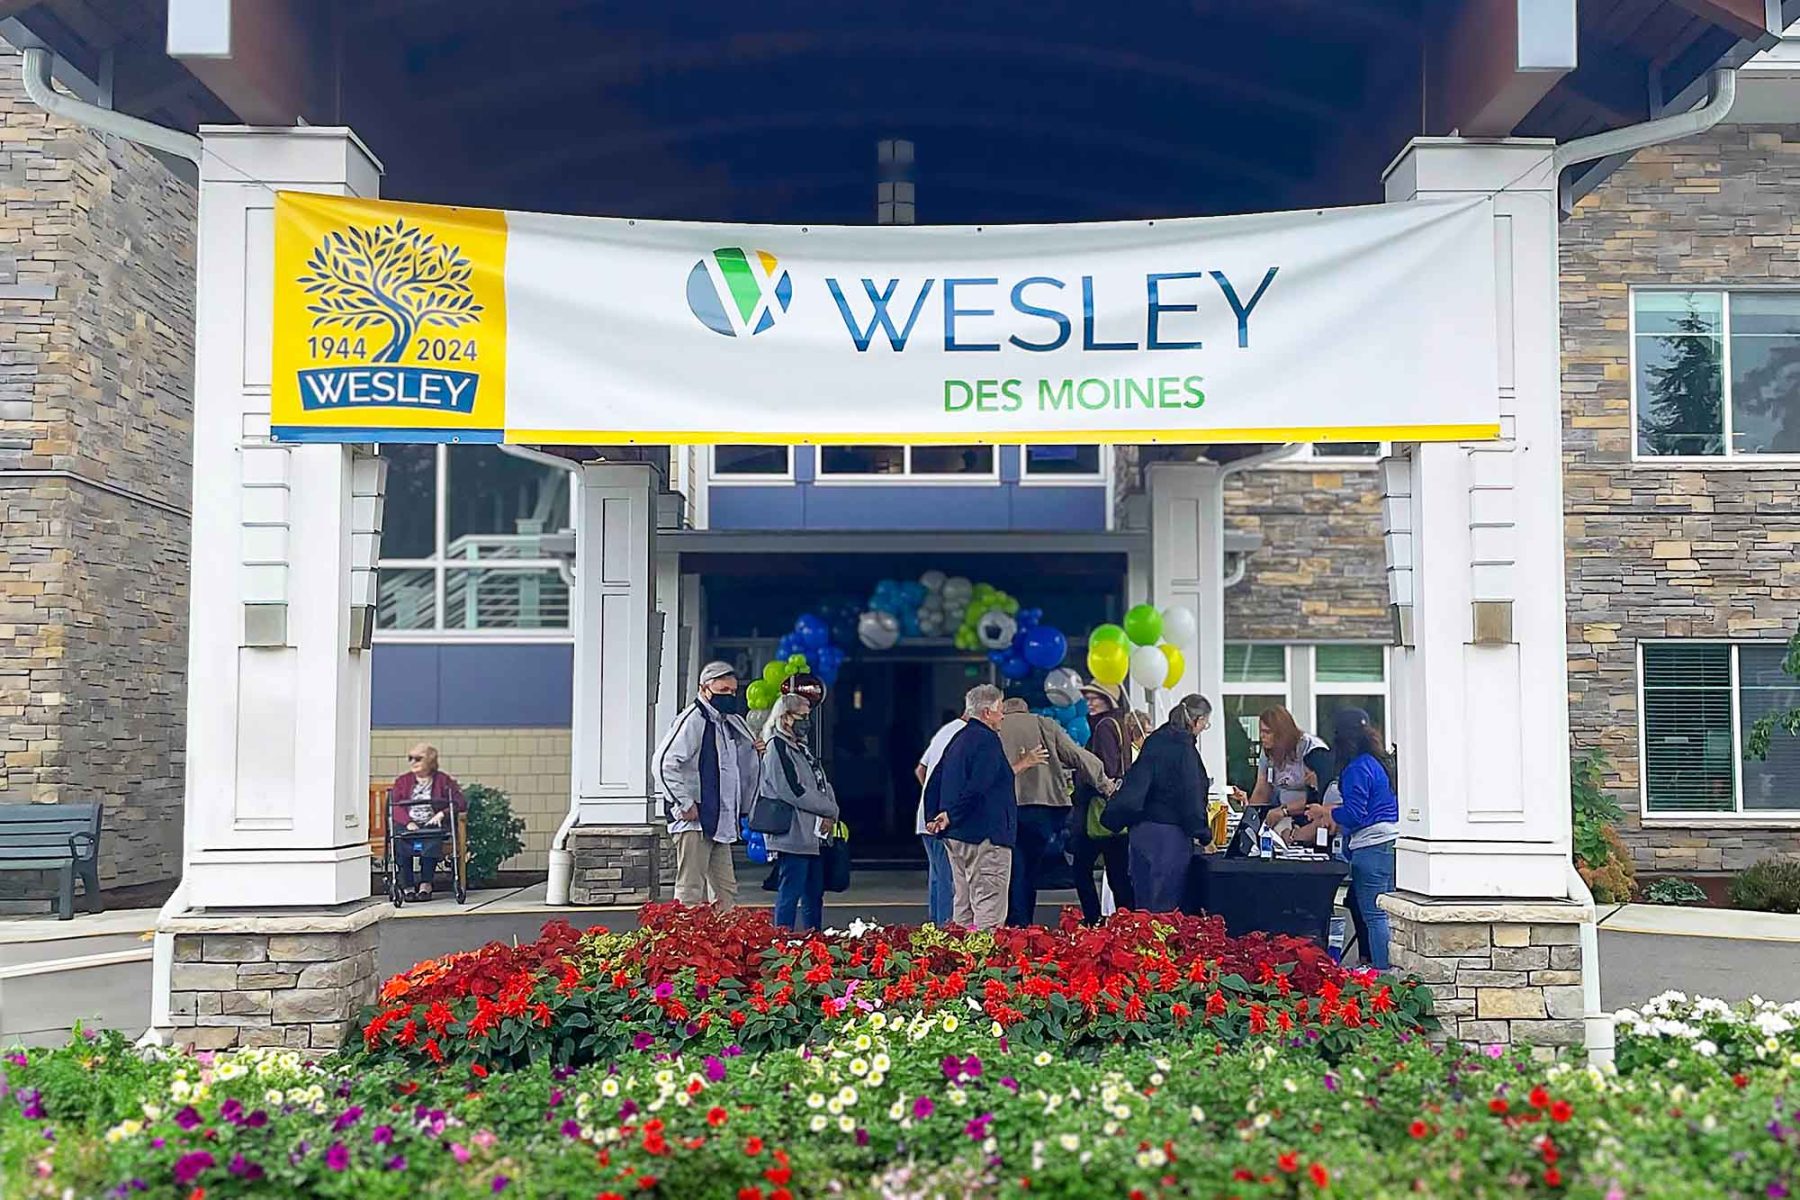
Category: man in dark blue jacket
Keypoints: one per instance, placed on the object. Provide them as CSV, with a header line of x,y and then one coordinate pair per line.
x,y
969,802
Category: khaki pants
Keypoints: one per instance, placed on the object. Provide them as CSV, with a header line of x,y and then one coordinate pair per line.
x,y
981,874
703,871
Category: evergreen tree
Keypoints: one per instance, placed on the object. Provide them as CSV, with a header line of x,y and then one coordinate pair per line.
x,y
1681,414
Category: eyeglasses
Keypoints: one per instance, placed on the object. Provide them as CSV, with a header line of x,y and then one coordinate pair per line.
x,y
415,758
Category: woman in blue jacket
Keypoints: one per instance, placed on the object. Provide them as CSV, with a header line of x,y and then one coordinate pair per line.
x,y
1368,818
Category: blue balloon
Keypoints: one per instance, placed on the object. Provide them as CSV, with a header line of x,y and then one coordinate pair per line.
x,y
1014,667
1025,618
1080,731
812,631
997,656
1045,647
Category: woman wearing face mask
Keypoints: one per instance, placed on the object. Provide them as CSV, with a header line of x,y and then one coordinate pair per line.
x,y
1163,804
792,776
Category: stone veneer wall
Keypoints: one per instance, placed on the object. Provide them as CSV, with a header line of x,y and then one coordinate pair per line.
x,y
530,765
1657,551
96,334
1320,574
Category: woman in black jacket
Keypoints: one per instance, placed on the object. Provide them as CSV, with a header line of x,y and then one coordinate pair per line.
x,y
1163,803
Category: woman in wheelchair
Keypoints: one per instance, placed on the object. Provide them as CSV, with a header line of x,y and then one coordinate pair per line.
x,y
418,808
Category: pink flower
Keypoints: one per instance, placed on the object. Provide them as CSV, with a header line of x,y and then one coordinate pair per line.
x,y
459,1152
189,1166
1494,1051
483,1138
923,1107
337,1156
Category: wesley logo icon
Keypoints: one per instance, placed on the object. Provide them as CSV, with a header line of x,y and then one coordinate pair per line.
x,y
735,291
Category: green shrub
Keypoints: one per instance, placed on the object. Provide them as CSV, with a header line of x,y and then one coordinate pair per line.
x,y
1600,854
493,831
1674,891
1772,885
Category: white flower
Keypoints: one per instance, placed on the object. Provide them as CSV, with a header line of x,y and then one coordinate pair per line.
x,y
846,1095
818,1123
896,1110
876,1078
862,1042
609,1087
859,1067
997,1029
1111,1129
815,1101
878,1021
951,1024
1261,1120
1705,1049
1070,1142
1196,1114
834,1106
1041,1058
847,1124
882,1061
124,1129
1290,1085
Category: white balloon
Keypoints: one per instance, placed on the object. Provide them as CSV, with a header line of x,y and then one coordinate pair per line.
x,y
1062,686
958,588
878,630
996,629
1149,668
933,580
1180,627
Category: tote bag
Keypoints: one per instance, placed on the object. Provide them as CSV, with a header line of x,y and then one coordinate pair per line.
x,y
834,859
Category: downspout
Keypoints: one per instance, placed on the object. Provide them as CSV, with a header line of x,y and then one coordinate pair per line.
x,y
35,70
1721,93
562,863
1598,1023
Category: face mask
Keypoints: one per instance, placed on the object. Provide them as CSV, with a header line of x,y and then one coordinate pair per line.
x,y
802,728
729,704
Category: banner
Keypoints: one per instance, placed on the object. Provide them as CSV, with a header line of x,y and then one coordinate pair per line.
x,y
406,322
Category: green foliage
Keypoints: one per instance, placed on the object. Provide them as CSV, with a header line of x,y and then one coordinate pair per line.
x,y
1679,413
1772,885
1762,730
1674,891
494,833
1593,810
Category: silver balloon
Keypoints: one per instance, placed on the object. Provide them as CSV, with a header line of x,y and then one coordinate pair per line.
x,y
1062,686
958,588
996,629
933,580
878,630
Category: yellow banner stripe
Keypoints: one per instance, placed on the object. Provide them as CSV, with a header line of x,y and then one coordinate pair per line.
x,y
1042,437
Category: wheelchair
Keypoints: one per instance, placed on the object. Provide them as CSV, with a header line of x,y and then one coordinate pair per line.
x,y
452,847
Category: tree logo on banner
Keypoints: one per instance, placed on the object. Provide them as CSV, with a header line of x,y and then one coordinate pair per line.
x,y
735,291
394,277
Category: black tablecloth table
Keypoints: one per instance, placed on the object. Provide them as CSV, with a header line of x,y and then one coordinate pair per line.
x,y
1259,895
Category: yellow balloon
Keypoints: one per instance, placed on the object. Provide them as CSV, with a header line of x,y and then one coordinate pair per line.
x,y
1177,664
1109,662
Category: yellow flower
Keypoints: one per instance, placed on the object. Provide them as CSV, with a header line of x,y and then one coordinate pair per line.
x,y
862,1042
951,1024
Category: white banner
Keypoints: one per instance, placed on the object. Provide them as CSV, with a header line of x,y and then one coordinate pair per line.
x,y
1359,324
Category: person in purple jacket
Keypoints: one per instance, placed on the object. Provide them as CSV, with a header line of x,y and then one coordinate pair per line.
x,y
1368,818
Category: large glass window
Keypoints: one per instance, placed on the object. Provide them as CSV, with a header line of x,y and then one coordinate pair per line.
x,y
1700,700
1053,461
906,460
462,545
1311,681
1716,374
751,460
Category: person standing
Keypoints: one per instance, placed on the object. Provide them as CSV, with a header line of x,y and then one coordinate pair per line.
x,y
1114,743
1044,799
1368,816
708,768
969,801
792,776
940,892
1163,804
417,804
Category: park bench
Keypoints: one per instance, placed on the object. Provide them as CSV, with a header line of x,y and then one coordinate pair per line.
x,y
55,837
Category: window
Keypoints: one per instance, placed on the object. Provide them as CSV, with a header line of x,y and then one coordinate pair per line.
x,y
1310,681
864,461
764,461
1349,677
462,542
1255,678
1699,701
1048,462
1716,374
1346,449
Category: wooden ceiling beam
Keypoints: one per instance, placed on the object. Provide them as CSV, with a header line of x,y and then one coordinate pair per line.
x,y
1747,20
1478,84
280,68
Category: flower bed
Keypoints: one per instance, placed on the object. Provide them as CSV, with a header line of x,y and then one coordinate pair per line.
x,y
691,980
890,1095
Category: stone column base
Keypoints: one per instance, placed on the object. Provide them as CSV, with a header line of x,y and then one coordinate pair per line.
x,y
256,978
621,864
1504,972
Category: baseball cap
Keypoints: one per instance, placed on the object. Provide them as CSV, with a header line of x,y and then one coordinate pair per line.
x,y
717,670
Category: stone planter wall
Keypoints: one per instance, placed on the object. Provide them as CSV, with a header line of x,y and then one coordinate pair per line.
x,y
1503,972
630,864
296,981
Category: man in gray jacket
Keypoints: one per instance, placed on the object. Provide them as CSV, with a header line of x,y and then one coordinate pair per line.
x,y
707,767
1044,799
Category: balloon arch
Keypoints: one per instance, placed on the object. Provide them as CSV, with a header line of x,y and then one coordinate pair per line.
x,y
1148,648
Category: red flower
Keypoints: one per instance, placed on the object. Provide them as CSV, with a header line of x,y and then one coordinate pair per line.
x,y
749,1193
1498,1107
408,1088
1539,1098
1320,1176
1741,1080
753,1146
716,1116
781,1194
479,1071
1561,1111
1243,1176
1553,1177
1289,1161
1418,1129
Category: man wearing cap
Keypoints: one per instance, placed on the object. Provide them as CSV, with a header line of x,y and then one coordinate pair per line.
x,y
708,768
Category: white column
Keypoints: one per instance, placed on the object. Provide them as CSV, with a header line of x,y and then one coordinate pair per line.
x,y
1187,567
1474,537
284,541
614,602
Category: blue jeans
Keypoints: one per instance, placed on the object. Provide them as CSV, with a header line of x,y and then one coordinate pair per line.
x,y
1372,877
799,890
940,890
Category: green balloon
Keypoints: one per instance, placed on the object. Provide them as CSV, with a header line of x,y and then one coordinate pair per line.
x,y
1143,625
1103,634
761,694
774,673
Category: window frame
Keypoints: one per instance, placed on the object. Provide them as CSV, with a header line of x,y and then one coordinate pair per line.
x,y
440,563
733,479
824,478
1089,479
1301,686
1731,459
1765,817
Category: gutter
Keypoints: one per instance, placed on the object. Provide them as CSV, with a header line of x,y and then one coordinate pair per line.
x,y
1721,94
35,70
1598,1034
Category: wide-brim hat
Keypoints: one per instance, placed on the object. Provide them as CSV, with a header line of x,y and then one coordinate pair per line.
x,y
1111,692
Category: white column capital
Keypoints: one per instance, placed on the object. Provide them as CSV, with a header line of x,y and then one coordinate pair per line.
x,y
1449,166
307,158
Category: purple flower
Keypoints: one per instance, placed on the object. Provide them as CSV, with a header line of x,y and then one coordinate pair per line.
x,y
381,1135
343,1091
733,1051
664,990
189,1166
952,1067
862,1137
31,1104
17,1058
1009,1083
187,1118
628,1110
571,1129
701,991
556,1097
1777,1130
500,1182
157,1143
1776,1191
459,1152
232,1111
350,1116
396,1163
1331,1082
971,1067
641,1040
243,1168
978,1127
691,1029
337,1156
923,1107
